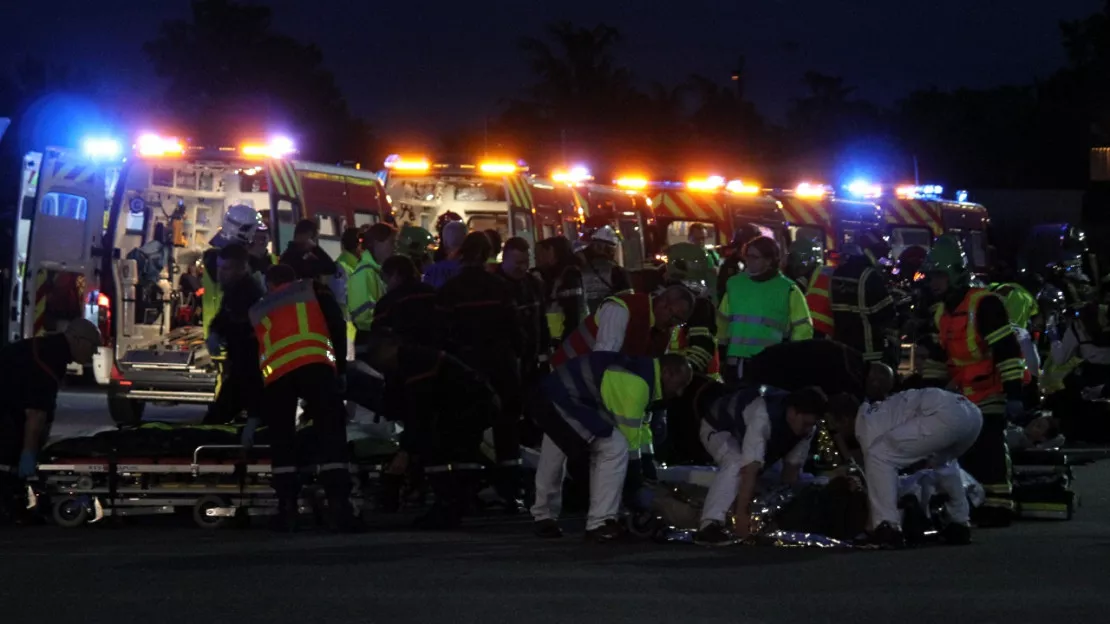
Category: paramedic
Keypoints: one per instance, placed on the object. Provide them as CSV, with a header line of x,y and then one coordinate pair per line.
x,y
231,329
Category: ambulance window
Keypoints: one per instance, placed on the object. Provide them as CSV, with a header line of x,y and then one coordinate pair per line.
x,y
547,231
186,179
252,183
679,232
329,225
480,191
479,223
902,239
522,227
974,247
206,181
161,176
365,218
65,206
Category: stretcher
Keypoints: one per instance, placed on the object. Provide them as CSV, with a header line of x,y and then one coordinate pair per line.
x,y
216,486
1042,483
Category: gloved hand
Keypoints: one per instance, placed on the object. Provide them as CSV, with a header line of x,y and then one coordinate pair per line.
x,y
215,344
1014,409
247,437
28,464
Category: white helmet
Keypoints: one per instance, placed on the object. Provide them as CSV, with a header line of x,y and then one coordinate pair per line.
x,y
240,224
605,234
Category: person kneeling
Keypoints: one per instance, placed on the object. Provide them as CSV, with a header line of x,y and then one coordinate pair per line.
x,y
930,426
745,430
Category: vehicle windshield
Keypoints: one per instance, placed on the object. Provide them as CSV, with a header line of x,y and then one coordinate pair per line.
x,y
812,232
479,192
679,232
903,238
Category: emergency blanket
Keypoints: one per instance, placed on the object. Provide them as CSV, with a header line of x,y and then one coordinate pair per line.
x,y
163,440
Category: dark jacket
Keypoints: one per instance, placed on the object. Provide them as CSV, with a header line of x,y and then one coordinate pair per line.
x,y
311,263
829,365
337,325
410,311
865,327
531,306
233,323
563,288
479,316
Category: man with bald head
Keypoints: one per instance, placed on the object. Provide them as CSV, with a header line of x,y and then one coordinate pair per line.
x,y
33,371
829,365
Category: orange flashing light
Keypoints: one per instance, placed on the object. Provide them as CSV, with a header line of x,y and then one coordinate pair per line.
x,y
635,183
496,168
740,187
712,183
154,146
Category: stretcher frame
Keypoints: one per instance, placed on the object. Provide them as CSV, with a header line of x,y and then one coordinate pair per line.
x,y
217,491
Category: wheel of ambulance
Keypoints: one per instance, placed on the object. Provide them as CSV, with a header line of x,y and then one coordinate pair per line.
x,y
125,411
642,524
70,512
203,504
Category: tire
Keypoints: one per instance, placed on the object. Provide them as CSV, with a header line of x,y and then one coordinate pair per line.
x,y
643,524
70,512
204,521
125,411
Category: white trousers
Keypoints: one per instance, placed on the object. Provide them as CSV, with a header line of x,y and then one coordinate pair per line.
x,y
941,438
608,466
723,447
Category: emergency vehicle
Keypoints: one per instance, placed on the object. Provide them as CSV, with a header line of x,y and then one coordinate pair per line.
x,y
813,211
488,195
916,215
110,238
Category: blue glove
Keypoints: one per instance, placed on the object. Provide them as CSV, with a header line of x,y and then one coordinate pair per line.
x,y
247,437
215,344
1015,409
28,464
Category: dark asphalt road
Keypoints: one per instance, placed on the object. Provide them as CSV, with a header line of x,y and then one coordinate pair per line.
x,y
494,572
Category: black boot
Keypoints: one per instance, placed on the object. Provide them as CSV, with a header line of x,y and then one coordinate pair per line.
x,y
341,516
285,520
446,511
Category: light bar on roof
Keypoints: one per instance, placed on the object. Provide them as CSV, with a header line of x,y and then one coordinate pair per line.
x,y
101,148
497,168
711,183
633,183
278,147
153,146
397,163
807,189
576,175
739,187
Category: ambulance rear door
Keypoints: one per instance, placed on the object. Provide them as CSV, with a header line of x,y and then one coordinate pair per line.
x,y
64,248
21,237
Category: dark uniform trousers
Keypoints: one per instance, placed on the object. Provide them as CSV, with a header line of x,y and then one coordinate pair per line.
x,y
316,384
502,371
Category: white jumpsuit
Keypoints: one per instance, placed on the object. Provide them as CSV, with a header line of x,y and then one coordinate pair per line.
x,y
907,428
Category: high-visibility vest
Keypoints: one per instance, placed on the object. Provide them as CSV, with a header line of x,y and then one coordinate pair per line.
x,y
576,390
726,413
1020,304
292,331
970,361
556,315
347,262
819,300
680,342
364,288
210,300
758,313
637,334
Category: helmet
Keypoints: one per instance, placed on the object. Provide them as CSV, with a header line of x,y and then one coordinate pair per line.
x,y
604,234
444,218
686,262
414,241
804,256
239,225
873,245
746,233
948,257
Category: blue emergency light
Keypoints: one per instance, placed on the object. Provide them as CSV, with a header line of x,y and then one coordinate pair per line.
x,y
102,148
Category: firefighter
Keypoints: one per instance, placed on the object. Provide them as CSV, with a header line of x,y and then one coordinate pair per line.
x,y
416,243
454,233
698,235
601,275
482,328
863,312
976,348
408,308
301,334
307,258
928,425
560,270
528,293
744,431
444,406
33,371
1020,298
231,328
763,307
260,257
378,243
593,408
240,224
803,263
687,265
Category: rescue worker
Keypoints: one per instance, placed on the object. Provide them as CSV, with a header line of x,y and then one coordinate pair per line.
x,y
444,406
1020,298
746,430
803,263
33,372
930,426
527,293
306,256
763,307
416,243
698,235
444,250
231,330
593,407
687,265
408,308
454,233
975,347
482,328
378,243
240,224
734,263
831,366
602,277
301,334
863,312
260,257
560,270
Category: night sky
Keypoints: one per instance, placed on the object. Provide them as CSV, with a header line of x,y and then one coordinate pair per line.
x,y
404,64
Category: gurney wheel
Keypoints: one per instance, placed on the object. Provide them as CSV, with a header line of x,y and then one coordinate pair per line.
x,y
642,524
70,512
205,503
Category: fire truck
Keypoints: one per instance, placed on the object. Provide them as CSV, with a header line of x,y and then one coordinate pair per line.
x,y
813,211
916,215
110,237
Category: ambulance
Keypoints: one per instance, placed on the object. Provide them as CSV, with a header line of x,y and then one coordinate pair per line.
x,y
915,215
813,211
108,233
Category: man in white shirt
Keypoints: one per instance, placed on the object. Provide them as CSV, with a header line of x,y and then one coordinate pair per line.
x,y
930,426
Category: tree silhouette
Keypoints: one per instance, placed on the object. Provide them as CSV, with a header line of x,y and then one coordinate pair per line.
x,y
230,75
